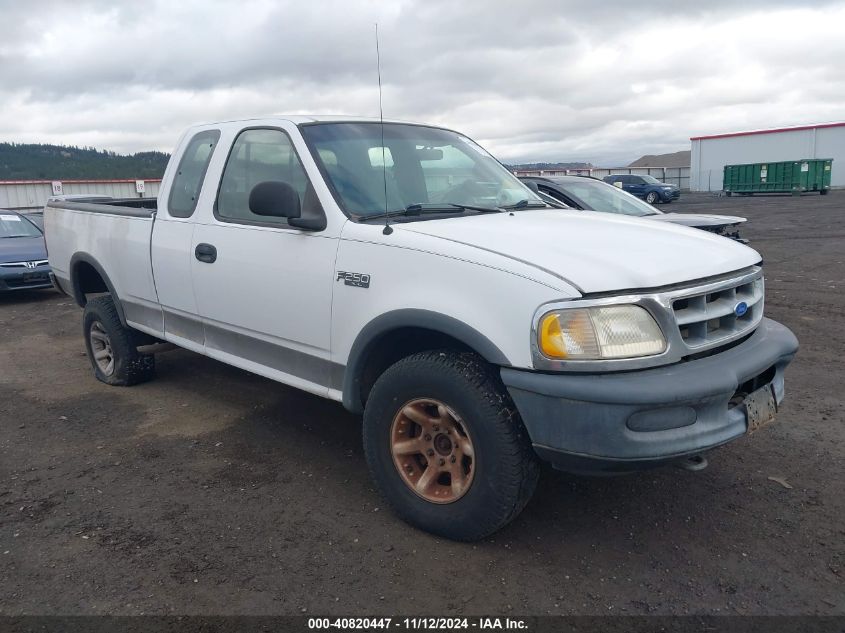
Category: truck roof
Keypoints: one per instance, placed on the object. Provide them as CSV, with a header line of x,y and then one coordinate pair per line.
x,y
309,118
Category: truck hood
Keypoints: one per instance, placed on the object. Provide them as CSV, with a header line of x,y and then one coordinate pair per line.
x,y
698,220
595,252
22,249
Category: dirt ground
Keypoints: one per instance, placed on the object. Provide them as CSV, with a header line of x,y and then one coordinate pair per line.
x,y
213,491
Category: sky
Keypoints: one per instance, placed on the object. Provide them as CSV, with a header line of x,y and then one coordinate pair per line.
x,y
531,80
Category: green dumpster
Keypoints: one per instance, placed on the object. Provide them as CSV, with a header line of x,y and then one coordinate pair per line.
x,y
791,176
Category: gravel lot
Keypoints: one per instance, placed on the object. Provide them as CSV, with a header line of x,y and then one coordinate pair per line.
x,y
213,491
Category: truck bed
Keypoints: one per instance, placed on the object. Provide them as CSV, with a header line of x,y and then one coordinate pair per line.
x,y
111,235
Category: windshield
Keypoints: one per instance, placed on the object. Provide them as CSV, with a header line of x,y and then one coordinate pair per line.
x,y
37,219
600,196
651,180
422,165
13,225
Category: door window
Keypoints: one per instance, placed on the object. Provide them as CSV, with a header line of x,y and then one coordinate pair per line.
x,y
190,174
257,156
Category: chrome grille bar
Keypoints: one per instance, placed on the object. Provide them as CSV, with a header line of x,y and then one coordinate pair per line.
x,y
709,316
38,262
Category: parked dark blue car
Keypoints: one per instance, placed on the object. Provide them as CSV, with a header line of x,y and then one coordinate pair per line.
x,y
23,254
648,188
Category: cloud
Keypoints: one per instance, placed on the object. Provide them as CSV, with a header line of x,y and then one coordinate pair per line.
x,y
538,80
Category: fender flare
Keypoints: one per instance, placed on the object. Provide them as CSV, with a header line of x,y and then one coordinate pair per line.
x,y
76,291
409,318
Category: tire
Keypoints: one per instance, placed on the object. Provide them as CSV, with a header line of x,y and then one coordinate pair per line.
x,y
498,479
729,194
652,198
119,362
823,192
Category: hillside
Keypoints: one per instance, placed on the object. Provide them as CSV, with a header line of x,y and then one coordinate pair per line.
x,y
675,159
56,162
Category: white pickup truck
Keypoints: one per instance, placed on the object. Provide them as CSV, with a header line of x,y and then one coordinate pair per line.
x,y
401,270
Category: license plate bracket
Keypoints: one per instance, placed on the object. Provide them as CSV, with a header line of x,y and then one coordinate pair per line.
x,y
760,408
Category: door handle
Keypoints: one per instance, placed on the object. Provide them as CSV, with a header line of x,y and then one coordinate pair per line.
x,y
206,253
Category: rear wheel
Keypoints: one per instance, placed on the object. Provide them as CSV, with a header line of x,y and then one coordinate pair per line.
x,y
823,192
651,197
446,446
112,347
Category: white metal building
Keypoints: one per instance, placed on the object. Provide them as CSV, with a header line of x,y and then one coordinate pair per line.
x,y
710,154
30,195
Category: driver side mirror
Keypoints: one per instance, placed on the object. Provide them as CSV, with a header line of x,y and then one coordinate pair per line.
x,y
278,199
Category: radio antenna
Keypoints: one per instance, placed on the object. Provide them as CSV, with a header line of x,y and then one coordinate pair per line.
x,y
387,228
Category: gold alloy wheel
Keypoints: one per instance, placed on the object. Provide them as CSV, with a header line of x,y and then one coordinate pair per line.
x,y
432,450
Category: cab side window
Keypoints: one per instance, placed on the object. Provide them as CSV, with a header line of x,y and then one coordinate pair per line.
x,y
193,165
260,155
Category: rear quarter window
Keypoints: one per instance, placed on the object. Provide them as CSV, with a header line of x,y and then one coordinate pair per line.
x,y
193,165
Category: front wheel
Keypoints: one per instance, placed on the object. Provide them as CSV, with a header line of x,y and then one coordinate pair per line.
x,y
446,446
652,197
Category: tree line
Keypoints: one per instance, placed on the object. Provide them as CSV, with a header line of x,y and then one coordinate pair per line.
x,y
39,161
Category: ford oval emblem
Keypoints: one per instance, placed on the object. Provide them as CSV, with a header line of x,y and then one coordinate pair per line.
x,y
740,308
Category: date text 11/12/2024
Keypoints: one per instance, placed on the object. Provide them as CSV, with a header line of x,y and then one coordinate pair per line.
x,y
418,623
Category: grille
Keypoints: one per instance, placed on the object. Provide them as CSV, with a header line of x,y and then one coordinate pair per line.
x,y
38,263
710,318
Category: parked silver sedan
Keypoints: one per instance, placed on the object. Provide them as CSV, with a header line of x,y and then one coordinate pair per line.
x,y
591,194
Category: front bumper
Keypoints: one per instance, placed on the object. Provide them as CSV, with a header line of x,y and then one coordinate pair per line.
x,y
24,278
669,195
629,420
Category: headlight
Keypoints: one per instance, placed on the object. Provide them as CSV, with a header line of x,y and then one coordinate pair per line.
x,y
598,333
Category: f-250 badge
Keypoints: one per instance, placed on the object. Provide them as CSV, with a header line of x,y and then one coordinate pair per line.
x,y
359,280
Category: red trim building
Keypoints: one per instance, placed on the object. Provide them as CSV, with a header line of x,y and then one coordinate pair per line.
x,y
711,153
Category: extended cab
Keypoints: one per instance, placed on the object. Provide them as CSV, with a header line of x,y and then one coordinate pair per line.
x,y
401,270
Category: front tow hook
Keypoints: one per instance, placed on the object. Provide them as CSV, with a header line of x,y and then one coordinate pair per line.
x,y
693,463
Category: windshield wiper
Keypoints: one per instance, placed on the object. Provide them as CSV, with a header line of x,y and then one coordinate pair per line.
x,y
524,204
425,208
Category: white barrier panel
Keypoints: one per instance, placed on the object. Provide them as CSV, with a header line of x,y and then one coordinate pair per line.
x,y
28,195
672,175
